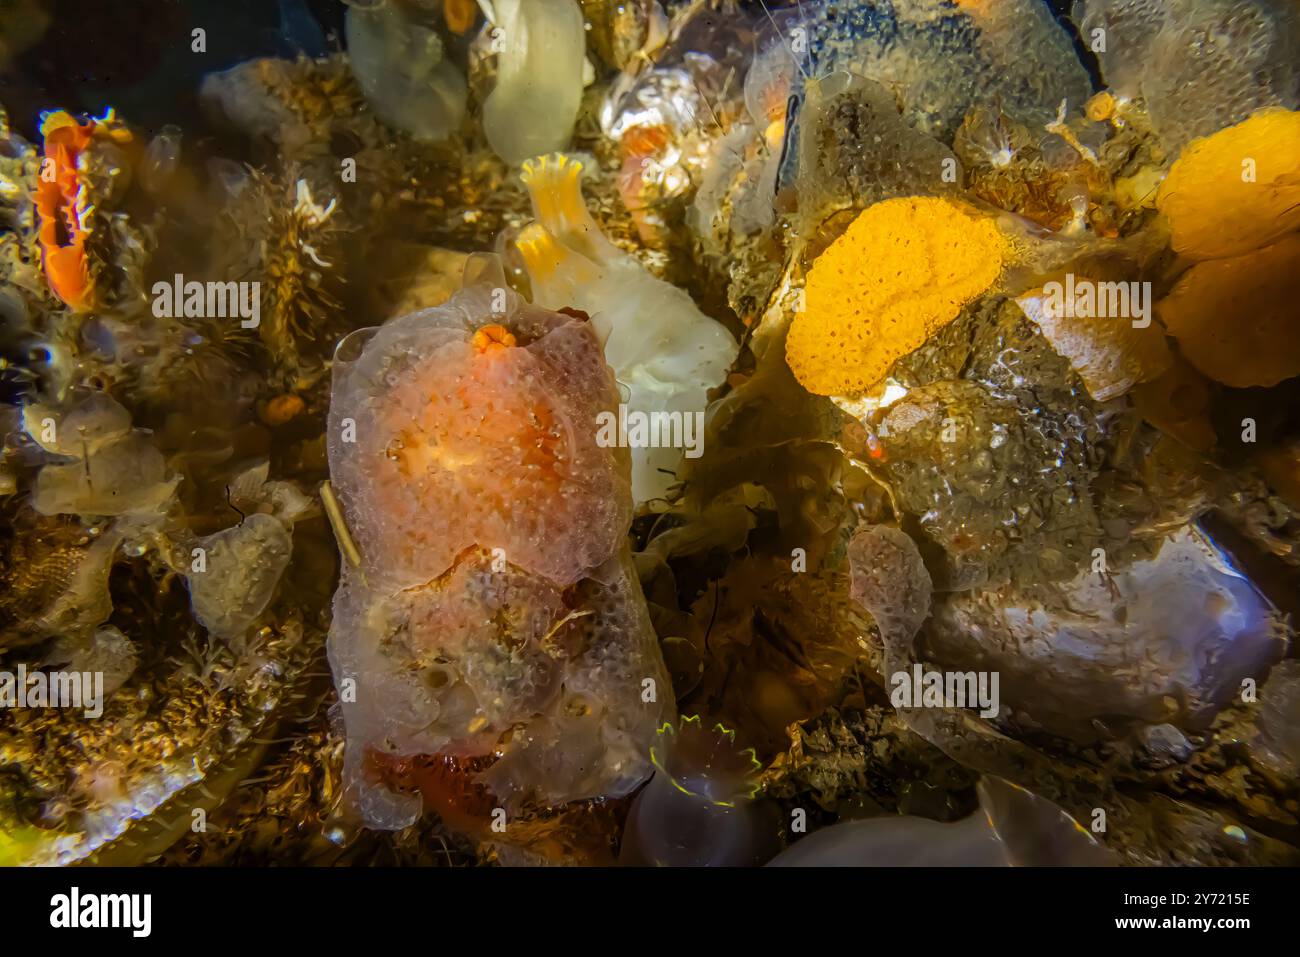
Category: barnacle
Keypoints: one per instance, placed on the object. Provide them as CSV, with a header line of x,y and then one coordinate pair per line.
x,y
901,271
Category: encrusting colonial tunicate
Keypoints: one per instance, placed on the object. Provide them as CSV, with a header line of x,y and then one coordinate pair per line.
x,y
494,618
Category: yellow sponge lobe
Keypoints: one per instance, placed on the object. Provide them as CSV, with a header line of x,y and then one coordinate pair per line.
x,y
900,273
1237,190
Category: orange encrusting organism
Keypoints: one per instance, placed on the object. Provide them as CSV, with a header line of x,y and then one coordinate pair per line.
x,y
473,420
492,338
60,202
899,274
1237,190
1235,318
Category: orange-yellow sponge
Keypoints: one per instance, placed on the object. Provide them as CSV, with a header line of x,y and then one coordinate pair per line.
x,y
900,272
1235,319
1236,190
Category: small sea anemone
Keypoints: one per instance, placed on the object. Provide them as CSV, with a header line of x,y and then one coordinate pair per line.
x,y
1237,190
705,763
900,273
699,807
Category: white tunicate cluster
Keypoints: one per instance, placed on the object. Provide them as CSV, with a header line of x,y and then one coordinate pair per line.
x,y
1200,65
241,567
532,108
402,69
115,470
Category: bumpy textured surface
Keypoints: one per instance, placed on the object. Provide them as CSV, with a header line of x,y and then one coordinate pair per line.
x,y
1200,65
495,610
840,113
242,567
447,447
988,483
890,580
942,59
899,273
1236,190
1166,639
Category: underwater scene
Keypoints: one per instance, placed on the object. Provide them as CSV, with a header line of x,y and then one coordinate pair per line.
x,y
650,432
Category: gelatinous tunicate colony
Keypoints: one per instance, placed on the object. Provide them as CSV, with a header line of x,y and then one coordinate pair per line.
x,y
1199,65
941,61
494,613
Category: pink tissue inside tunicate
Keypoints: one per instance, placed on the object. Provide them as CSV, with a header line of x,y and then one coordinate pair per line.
x,y
495,613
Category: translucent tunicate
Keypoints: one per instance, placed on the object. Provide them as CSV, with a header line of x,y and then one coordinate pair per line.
x,y
942,60
493,614
1012,828
1200,65
240,569
698,809
1164,640
403,72
539,78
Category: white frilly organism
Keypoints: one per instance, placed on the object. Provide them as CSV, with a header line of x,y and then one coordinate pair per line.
x,y
666,354
532,108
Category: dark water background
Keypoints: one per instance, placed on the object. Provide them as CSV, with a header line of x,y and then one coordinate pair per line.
x,y
135,54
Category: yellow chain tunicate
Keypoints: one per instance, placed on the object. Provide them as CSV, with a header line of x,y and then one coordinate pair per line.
x,y
1237,190
901,272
